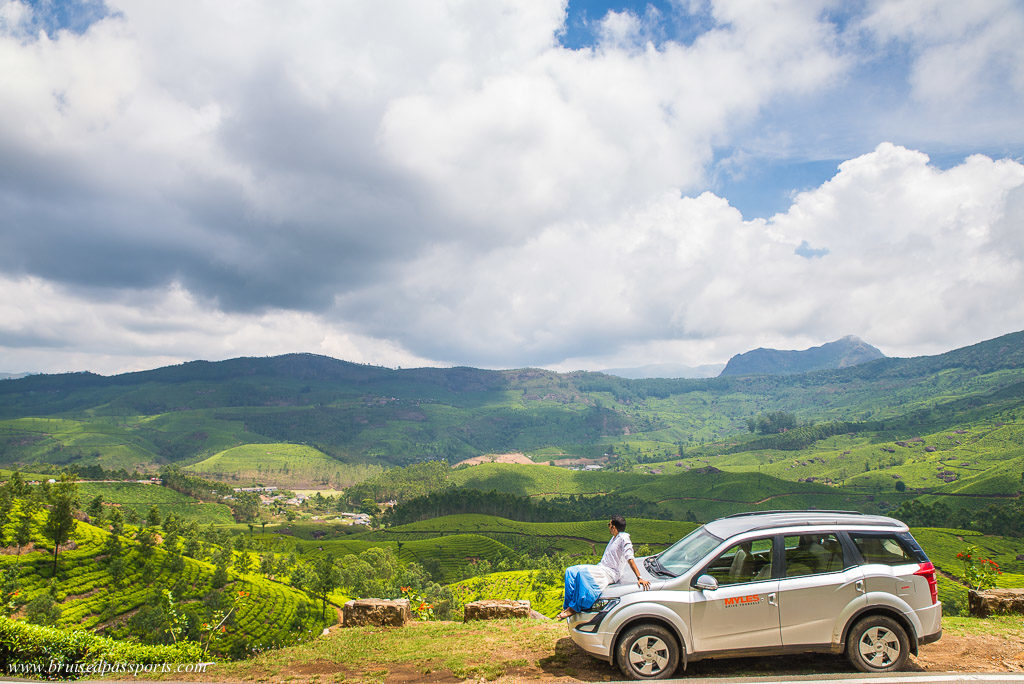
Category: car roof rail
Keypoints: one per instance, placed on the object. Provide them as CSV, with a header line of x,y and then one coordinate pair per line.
x,y
810,510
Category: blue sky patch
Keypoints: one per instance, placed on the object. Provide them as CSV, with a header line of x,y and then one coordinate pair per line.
x,y
807,252
75,16
665,21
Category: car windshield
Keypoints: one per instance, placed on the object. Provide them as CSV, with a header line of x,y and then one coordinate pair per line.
x,y
686,552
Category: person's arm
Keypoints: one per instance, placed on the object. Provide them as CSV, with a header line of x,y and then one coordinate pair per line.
x,y
639,580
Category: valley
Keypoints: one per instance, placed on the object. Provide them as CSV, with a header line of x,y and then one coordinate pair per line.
x,y
234,506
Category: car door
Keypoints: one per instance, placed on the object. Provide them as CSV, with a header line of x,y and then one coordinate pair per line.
x,y
743,611
817,587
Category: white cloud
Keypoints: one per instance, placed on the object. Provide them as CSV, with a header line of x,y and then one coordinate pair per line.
x,y
919,260
400,182
112,332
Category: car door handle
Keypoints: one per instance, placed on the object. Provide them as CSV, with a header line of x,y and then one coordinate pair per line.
x,y
771,600
860,586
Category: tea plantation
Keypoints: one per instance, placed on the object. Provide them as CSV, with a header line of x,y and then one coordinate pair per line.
x,y
90,594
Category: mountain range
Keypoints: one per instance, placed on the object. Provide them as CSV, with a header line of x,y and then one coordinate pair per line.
x,y
844,352
358,414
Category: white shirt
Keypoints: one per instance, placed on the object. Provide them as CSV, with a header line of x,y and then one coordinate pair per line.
x,y
616,554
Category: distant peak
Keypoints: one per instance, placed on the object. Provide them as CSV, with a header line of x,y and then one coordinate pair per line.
x,y
846,351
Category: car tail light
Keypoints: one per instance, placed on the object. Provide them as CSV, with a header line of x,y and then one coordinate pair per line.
x,y
927,570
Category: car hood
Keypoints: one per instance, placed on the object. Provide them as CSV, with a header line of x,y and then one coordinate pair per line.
x,y
628,583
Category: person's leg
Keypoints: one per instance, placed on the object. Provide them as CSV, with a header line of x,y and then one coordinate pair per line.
x,y
571,593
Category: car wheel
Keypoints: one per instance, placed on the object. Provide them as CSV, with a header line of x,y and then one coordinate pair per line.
x,y
878,644
647,652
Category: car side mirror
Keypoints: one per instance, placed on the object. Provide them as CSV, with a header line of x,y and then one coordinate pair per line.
x,y
706,583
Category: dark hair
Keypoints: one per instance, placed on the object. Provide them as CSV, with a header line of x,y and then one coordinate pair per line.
x,y
619,522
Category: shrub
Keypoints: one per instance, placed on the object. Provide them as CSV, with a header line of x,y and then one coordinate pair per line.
x,y
979,573
65,654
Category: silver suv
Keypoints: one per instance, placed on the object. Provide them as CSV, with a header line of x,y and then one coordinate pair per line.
x,y
769,583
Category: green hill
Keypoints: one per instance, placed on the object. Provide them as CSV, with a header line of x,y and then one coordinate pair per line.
x,y
285,465
188,413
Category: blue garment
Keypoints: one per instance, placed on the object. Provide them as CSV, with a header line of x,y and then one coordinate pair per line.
x,y
581,589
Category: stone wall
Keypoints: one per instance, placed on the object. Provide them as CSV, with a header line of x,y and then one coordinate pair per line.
x,y
995,601
496,609
376,612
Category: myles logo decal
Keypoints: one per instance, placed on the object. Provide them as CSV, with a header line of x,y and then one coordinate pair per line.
x,y
749,600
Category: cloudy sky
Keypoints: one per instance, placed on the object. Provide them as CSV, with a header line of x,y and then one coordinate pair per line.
x,y
500,183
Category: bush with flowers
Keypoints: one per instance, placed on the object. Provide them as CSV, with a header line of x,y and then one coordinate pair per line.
x,y
979,573
418,603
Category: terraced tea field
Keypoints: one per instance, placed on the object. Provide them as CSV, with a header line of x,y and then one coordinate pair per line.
x,y
543,593
574,538
89,597
543,480
283,465
141,497
57,440
446,556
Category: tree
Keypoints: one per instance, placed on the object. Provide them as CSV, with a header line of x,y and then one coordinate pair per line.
x,y
300,576
95,509
42,610
146,537
115,566
63,497
243,563
10,589
220,568
153,517
326,579
116,521
23,529
369,506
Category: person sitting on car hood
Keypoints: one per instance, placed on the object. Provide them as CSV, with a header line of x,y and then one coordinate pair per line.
x,y
584,583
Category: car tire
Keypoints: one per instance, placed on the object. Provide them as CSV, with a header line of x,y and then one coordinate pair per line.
x,y
878,644
647,651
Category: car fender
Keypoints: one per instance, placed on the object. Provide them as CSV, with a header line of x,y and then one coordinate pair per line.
x,y
879,601
652,608
846,618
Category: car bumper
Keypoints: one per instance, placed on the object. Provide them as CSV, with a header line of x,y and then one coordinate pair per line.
x,y
594,643
931,623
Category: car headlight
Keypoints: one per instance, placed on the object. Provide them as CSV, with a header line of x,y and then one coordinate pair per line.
x,y
603,605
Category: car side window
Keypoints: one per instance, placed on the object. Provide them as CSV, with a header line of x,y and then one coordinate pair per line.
x,y
747,561
812,554
881,549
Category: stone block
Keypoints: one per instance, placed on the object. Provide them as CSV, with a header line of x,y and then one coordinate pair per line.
x,y
496,609
376,612
995,601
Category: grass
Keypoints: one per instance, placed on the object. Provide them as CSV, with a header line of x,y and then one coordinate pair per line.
x,y
510,650
996,625
482,650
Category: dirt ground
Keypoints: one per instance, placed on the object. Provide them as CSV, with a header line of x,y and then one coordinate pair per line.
x,y
976,653
953,653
